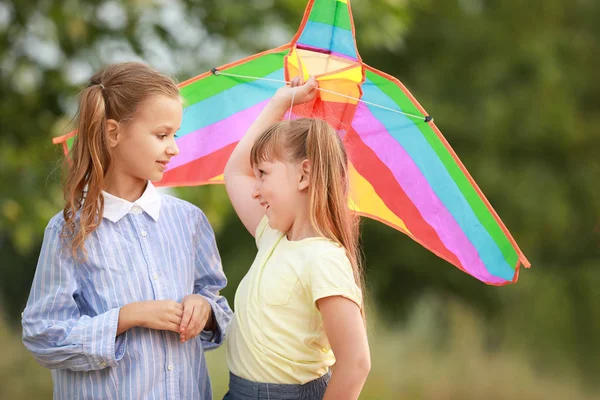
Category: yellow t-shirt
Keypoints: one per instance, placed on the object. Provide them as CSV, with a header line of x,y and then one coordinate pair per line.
x,y
277,333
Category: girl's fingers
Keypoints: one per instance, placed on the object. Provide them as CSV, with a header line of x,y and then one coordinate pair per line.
x,y
195,328
170,326
198,329
191,327
312,85
308,90
202,325
205,317
194,321
186,317
175,306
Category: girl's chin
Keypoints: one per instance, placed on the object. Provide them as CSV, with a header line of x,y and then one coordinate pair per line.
x,y
272,223
157,176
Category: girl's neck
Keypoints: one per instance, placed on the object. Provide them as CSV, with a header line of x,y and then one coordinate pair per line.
x,y
301,227
300,232
125,187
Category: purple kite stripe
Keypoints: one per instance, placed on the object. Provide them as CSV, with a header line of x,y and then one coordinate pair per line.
x,y
375,135
213,137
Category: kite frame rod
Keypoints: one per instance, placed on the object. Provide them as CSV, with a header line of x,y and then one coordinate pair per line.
x,y
421,117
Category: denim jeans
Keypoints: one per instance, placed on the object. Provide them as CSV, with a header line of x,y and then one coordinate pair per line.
x,y
242,389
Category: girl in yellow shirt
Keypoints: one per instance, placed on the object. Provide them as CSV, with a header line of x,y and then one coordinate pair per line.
x,y
299,309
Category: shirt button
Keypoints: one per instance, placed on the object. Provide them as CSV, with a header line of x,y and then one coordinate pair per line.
x,y
170,368
155,276
135,209
144,234
103,364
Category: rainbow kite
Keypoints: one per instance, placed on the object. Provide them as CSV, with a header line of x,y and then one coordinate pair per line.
x,y
403,172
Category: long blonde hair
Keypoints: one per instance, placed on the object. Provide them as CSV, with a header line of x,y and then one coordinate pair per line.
x,y
316,141
113,93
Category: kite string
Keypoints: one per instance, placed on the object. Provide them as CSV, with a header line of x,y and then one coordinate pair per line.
x,y
427,118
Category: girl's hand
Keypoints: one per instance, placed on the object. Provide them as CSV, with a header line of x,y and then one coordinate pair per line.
x,y
197,314
300,92
164,315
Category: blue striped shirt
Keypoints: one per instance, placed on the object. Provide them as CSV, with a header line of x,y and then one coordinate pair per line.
x,y
158,248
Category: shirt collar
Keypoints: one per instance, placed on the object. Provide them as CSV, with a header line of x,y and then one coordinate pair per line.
x,y
116,208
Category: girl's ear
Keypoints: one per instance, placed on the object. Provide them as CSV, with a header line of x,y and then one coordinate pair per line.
x,y
304,175
112,133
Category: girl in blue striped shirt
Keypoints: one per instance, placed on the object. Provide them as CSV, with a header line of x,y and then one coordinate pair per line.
x,y
125,298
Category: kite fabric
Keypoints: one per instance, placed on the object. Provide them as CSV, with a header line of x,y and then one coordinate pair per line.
x,y
403,172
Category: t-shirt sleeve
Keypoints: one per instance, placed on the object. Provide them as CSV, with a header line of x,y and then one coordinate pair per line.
x,y
262,231
331,275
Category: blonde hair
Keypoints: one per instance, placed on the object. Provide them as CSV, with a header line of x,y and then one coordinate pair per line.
x,y
316,141
113,93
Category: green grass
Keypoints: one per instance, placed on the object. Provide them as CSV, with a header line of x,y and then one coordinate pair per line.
x,y
407,363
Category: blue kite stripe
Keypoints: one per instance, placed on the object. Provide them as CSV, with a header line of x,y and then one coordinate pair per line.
x,y
228,102
329,37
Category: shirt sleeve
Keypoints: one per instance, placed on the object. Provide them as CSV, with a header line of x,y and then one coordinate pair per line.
x,y
332,275
54,330
262,231
208,281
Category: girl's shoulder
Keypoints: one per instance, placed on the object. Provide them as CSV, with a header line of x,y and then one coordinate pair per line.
x,y
185,211
174,204
319,248
57,222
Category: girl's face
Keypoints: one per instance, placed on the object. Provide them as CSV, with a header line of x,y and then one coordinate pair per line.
x,y
145,144
279,189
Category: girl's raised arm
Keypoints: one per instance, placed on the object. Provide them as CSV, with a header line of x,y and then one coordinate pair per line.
x,y
239,176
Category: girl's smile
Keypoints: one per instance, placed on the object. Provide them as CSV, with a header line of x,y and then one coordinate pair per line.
x,y
163,165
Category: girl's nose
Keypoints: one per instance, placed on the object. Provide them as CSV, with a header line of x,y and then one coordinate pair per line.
x,y
256,192
173,149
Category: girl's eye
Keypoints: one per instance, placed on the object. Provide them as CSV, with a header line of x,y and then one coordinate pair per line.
x,y
164,136
261,172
